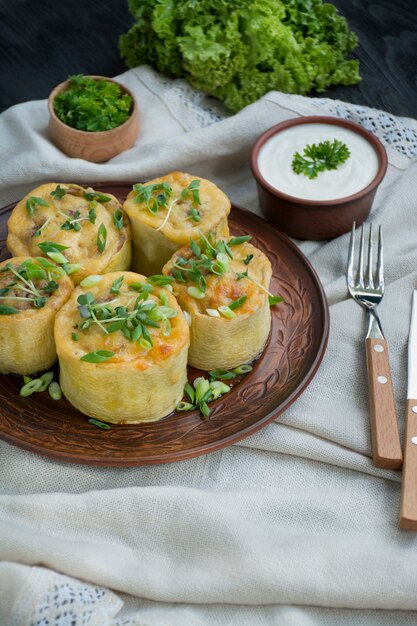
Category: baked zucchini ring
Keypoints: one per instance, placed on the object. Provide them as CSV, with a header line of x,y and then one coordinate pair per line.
x,y
32,290
223,285
122,347
82,229
165,212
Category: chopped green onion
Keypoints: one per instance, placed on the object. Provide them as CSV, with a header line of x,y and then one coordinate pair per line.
x,y
99,356
55,391
97,196
213,312
71,268
201,388
242,369
227,312
46,379
236,241
204,409
58,257
237,303
118,219
74,336
27,379
194,292
184,406
189,391
145,344
188,318
99,424
31,387
91,280
222,374
101,238
8,310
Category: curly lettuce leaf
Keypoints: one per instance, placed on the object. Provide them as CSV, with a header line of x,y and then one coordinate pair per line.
x,y
237,50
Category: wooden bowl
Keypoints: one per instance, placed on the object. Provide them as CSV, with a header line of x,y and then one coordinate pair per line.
x,y
92,146
316,219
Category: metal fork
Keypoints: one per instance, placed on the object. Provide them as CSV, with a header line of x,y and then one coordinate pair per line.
x,y
367,289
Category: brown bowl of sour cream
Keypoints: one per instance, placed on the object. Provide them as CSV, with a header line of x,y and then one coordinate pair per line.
x,y
323,206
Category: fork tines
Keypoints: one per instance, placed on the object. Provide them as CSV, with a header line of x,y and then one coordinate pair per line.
x,y
358,280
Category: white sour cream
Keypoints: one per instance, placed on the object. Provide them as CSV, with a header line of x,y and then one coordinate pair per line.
x,y
276,155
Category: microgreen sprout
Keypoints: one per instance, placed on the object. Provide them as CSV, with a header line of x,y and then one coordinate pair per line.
x,y
193,189
22,285
73,222
58,192
134,323
41,228
271,298
153,195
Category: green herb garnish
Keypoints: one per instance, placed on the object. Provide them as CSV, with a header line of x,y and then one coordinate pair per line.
x,y
58,192
320,157
271,298
134,322
32,202
92,105
153,195
294,47
22,286
193,189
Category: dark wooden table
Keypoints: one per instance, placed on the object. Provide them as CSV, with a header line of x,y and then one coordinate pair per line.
x,y
44,41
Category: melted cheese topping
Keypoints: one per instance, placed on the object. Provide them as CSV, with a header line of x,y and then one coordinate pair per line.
x,y
223,290
22,227
127,353
214,208
54,300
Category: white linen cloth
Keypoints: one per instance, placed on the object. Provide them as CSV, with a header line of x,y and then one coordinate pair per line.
x,y
291,526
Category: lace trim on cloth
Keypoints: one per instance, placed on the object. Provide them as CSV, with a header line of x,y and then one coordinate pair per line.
x,y
52,599
194,109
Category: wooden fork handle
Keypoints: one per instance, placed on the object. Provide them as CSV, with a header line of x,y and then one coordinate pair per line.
x,y
386,446
408,509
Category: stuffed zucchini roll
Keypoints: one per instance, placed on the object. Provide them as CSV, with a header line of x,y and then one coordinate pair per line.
x,y
223,286
165,212
31,293
122,347
83,230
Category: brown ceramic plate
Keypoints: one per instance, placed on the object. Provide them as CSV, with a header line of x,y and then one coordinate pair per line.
x,y
296,346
